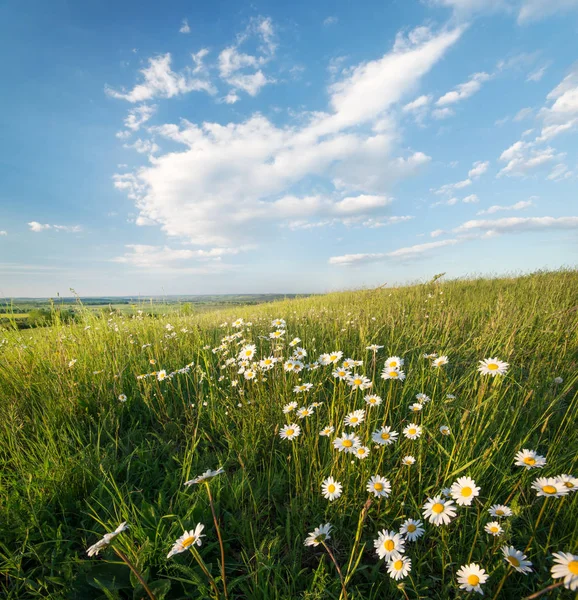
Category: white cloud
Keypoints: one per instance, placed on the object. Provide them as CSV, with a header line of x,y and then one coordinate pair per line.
x,y
517,225
3,232
417,104
522,157
560,172
450,188
160,81
497,208
436,233
533,10
478,169
522,114
537,74
185,28
235,182
138,116
372,223
38,227
442,113
464,90
330,21
471,199
143,146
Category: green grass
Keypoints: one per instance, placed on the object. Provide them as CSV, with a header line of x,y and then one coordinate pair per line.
x,y
75,461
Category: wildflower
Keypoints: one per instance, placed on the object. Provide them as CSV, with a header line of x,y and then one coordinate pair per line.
x,y
529,459
250,374
300,353
355,418
439,511
450,397
372,400
362,452
72,363
122,398
379,486
290,432
331,489
412,431
294,342
493,528
305,411
392,374
415,407
411,529
568,481
517,559
327,431
304,387
334,357
349,363
267,363
493,367
421,397
549,486
278,323
408,460
445,430
384,436
440,362
471,577
248,351
500,511
399,568
341,374
238,323
432,355
359,382
275,335
318,535
348,442
394,362
152,361
188,539
558,380
464,490
566,566
161,375
106,540
208,474
389,545
374,347
289,407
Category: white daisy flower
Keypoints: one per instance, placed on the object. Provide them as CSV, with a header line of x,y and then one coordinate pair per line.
x,y
421,397
161,375
415,407
471,577
289,407
188,539
335,356
318,535
341,374
439,362
568,481
372,400
464,490
374,347
445,430
394,362
493,367
208,474
549,486
275,335
305,411
331,489
348,442
359,382
408,460
399,568
267,363
392,374
566,566
247,352
290,432
500,511
389,545
106,540
384,436
355,418
379,486
439,511
327,431
493,528
412,431
529,459
361,452
294,342
122,398
277,323
517,559
411,529
303,387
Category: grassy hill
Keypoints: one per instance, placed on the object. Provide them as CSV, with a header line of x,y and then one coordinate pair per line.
x,y
77,458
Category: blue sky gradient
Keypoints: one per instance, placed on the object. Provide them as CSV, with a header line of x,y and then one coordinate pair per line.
x,y
226,147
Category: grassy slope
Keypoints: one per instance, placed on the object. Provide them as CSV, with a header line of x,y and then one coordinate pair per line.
x,y
74,461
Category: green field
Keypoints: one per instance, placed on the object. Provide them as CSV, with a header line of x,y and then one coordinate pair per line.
x,y
76,461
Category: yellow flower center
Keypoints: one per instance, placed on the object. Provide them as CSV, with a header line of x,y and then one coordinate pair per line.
x,y
549,489
494,529
347,443
290,432
361,451
389,545
493,366
267,361
188,541
568,484
393,364
378,487
499,511
247,352
466,491
397,565
573,567
438,508
353,420
513,561
333,357
411,528
473,579
385,436
393,374
412,431
331,488
529,460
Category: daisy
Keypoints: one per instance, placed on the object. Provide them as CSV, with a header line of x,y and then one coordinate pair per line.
x,y
250,374
348,442
290,432
549,486
394,362
439,511
208,474
335,356
278,323
412,431
359,382
122,398
529,459
161,375
464,490
318,535
372,400
247,352
289,407
411,529
384,436
106,540
331,489
289,365
327,431
379,486
493,528
305,411
392,374
355,418
432,355
294,342
500,511
299,352
568,481
304,387
439,362
374,347
415,407
408,460
566,566
558,380
275,335
237,323
398,569
422,398
267,363
493,367
341,374
349,363
471,577
517,559
187,540
389,545
362,452
445,430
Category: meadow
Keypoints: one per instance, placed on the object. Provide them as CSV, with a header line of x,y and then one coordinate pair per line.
x,y
113,418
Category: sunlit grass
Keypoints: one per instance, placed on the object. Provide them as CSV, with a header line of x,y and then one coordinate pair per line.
x,y
76,461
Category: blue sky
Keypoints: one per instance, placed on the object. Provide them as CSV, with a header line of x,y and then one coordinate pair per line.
x,y
230,147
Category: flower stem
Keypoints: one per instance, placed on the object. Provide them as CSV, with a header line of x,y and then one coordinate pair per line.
x,y
205,571
220,540
125,559
343,590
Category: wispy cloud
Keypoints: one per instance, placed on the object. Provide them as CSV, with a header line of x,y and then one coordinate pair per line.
x,y
38,227
185,27
331,20
464,90
498,208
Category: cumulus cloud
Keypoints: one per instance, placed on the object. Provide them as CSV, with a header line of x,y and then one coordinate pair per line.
x,y
523,157
498,208
38,227
478,169
143,146
185,27
139,115
471,199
